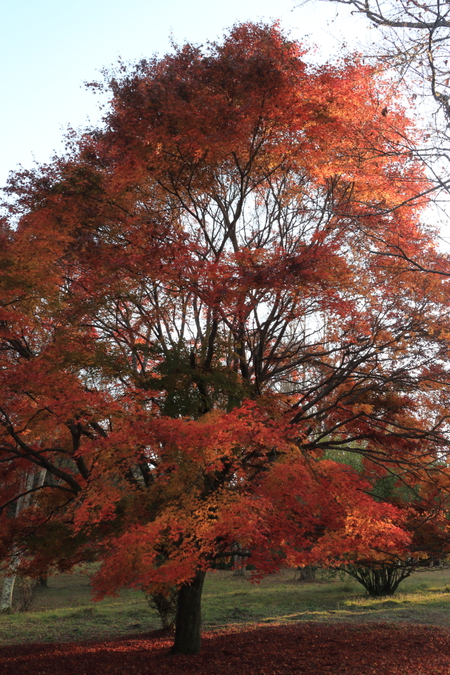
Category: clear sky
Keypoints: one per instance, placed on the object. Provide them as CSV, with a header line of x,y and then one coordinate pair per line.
x,y
49,48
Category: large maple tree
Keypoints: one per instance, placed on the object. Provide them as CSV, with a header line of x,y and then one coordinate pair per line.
x,y
196,309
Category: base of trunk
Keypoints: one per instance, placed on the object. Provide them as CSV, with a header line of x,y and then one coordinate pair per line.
x,y
188,621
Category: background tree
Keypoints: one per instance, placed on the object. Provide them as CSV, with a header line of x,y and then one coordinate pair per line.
x,y
193,315
425,507
415,39
412,40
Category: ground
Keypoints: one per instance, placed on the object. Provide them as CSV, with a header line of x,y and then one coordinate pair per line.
x,y
277,627
300,649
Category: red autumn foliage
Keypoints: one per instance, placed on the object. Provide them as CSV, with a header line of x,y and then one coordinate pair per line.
x,y
198,304
306,649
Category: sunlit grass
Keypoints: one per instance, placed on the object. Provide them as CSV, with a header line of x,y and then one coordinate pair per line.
x,y
65,611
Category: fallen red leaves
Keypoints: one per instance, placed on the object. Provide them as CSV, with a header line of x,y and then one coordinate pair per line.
x,y
306,649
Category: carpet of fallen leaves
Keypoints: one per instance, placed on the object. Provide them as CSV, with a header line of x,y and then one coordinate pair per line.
x,y
302,649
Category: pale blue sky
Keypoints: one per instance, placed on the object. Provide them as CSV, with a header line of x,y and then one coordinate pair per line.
x,y
48,48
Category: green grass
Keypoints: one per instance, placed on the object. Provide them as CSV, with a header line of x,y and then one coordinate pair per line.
x,y
424,598
65,612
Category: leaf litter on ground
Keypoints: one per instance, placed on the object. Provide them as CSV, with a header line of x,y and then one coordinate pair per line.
x,y
301,649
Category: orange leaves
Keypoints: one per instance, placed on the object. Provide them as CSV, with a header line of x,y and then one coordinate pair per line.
x,y
207,298
321,512
192,118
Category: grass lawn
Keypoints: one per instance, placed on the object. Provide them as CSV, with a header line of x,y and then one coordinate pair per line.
x,y
278,627
64,612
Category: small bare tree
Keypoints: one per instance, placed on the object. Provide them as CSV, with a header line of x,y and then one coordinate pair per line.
x,y
165,604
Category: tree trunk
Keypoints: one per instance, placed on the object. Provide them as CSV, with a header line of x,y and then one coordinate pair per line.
x,y
306,573
379,581
6,599
188,621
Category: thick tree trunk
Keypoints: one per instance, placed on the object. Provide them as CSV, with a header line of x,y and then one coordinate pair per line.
x,y
188,621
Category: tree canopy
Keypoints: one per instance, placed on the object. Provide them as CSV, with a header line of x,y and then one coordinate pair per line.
x,y
199,302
